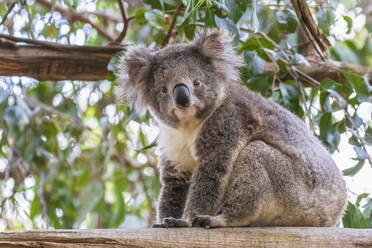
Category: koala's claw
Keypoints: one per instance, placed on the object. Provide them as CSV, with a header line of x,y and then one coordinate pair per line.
x,y
170,222
202,221
160,225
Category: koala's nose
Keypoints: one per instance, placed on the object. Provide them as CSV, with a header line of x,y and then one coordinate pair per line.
x,y
181,95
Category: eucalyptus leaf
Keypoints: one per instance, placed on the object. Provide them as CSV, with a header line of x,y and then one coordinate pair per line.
x,y
329,133
140,16
349,22
325,18
236,9
255,25
228,25
254,64
220,10
156,18
290,93
368,135
88,199
353,217
287,21
360,198
352,171
361,153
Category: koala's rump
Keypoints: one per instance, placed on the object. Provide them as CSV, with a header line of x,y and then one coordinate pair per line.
x,y
266,181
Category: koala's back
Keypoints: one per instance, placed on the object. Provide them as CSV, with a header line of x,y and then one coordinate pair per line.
x,y
300,182
282,129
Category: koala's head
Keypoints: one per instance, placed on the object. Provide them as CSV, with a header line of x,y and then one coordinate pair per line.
x,y
179,82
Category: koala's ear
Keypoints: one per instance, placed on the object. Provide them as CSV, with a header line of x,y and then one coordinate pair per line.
x,y
217,45
135,67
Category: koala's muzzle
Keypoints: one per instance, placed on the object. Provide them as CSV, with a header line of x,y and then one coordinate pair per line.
x,y
181,95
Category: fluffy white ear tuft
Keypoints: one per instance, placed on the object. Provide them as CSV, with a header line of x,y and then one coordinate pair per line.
x,y
134,67
217,45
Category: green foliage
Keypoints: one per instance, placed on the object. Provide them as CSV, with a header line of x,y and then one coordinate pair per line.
x,y
325,18
78,159
356,218
71,156
287,21
349,24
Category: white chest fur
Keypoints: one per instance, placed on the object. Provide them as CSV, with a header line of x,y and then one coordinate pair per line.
x,y
179,146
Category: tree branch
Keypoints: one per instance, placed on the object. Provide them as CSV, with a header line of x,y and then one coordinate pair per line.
x,y
192,237
319,70
8,12
52,61
315,34
56,46
74,16
126,21
173,23
108,16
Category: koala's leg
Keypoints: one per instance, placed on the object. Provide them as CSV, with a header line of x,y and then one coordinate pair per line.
x,y
248,191
251,197
219,144
172,197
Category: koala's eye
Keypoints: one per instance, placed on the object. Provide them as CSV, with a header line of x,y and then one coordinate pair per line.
x,y
197,82
164,90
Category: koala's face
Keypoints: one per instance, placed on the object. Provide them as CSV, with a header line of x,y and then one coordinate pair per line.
x,y
179,83
182,85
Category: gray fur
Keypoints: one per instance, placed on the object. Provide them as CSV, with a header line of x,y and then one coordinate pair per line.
x,y
234,158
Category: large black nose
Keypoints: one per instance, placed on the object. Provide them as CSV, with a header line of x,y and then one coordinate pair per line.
x,y
181,95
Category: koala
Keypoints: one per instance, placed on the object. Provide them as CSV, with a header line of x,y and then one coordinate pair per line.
x,y
229,157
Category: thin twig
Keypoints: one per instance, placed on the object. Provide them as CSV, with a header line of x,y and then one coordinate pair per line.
x,y
62,47
355,133
307,109
74,16
147,195
107,16
309,79
43,202
8,12
47,108
173,23
124,15
30,30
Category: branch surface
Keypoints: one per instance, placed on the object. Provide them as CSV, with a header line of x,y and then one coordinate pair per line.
x,y
56,62
193,237
52,61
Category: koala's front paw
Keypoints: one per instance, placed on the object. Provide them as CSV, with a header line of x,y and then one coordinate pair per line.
x,y
202,221
160,225
208,221
171,222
